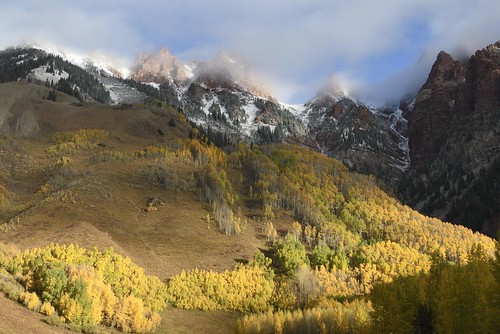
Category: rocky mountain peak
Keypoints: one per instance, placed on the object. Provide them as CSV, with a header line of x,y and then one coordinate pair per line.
x,y
493,48
160,66
367,140
445,69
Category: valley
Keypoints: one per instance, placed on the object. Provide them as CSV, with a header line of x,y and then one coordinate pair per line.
x,y
229,210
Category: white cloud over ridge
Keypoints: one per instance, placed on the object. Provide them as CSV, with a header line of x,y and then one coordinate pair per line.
x,y
298,44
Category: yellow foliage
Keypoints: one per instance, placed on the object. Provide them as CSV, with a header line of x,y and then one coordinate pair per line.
x,y
296,230
45,188
63,161
70,309
393,259
89,287
335,317
132,316
47,309
189,151
7,253
102,297
270,231
381,263
347,208
31,300
247,288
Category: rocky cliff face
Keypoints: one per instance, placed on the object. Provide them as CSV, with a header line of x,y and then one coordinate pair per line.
x,y
434,107
454,136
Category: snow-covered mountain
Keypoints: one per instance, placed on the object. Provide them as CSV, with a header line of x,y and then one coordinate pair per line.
x,y
226,95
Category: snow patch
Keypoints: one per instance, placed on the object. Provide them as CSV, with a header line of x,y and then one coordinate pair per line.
x,y
40,73
189,68
120,92
251,112
397,117
153,84
299,111
207,104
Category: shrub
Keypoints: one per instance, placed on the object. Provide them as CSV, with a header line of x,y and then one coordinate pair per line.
x,y
47,309
164,177
11,288
132,316
7,252
31,300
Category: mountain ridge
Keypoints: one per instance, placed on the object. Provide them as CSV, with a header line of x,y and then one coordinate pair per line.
x,y
225,97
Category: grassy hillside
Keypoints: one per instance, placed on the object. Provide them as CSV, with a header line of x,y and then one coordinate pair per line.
x,y
228,231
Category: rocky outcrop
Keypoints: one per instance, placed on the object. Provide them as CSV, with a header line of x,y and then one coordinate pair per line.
x,y
454,135
458,98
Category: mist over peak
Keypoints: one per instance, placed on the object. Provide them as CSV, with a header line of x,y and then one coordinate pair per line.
x,y
335,88
231,67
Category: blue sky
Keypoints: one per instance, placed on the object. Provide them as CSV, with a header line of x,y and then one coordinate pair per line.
x,y
377,50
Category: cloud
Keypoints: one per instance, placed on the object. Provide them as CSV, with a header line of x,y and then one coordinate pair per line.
x,y
298,44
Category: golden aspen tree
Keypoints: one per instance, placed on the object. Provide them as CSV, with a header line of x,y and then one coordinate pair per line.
x,y
296,230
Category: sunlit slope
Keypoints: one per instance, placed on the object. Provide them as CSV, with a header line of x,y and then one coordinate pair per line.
x,y
140,179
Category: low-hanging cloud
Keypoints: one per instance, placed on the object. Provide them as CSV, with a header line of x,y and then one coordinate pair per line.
x,y
298,44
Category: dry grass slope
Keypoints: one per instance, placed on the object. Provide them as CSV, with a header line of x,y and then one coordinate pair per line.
x,y
103,203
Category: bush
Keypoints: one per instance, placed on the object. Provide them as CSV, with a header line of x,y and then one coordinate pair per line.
x,y
7,252
47,309
166,178
132,316
31,300
9,286
54,320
